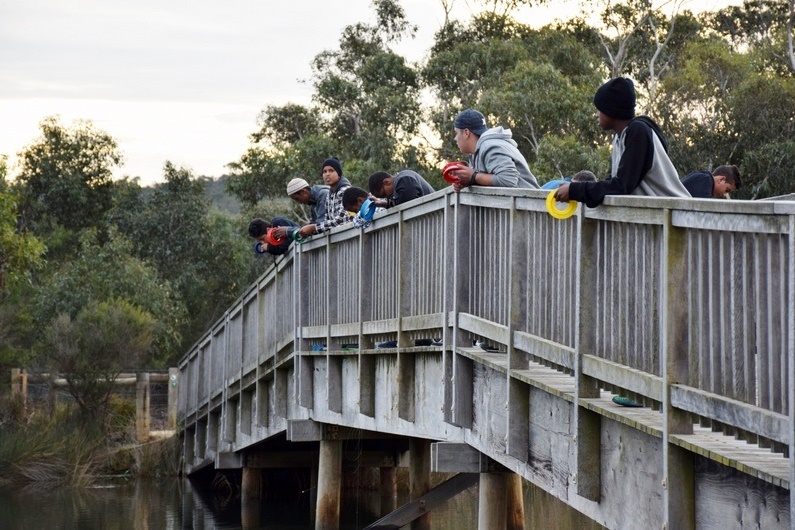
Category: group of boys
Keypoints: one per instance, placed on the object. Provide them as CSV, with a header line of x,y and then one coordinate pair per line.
x,y
639,166
332,203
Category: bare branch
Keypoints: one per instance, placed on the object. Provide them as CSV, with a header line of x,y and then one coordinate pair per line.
x,y
790,52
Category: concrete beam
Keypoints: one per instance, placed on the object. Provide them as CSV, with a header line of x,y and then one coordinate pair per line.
x,y
226,460
450,457
304,431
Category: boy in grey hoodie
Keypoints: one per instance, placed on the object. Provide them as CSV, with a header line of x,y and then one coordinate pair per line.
x,y
494,159
639,160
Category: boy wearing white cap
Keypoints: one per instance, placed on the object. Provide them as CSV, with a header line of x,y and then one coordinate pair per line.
x,y
315,197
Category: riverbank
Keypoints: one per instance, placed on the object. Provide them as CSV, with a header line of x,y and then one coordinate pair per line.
x,y
65,448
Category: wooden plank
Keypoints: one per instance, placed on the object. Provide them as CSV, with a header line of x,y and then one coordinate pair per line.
x,y
751,459
732,412
422,322
550,383
728,222
545,349
380,327
482,327
496,361
631,379
427,503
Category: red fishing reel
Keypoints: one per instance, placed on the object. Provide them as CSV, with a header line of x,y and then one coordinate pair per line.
x,y
447,171
272,238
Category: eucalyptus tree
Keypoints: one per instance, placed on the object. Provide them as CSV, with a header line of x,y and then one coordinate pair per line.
x,y
92,348
698,114
20,251
368,93
65,176
198,250
104,269
761,29
763,114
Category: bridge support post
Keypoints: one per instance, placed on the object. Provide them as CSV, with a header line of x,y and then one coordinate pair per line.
x,y
420,477
250,497
388,490
517,425
492,501
329,483
515,502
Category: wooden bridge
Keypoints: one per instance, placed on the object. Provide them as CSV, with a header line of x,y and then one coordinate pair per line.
x,y
685,306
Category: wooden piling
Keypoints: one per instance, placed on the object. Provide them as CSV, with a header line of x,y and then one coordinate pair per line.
x,y
52,398
250,498
515,502
327,515
19,388
142,403
420,477
388,489
492,505
173,390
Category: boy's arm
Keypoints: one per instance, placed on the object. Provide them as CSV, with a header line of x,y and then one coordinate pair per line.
x,y
634,164
502,169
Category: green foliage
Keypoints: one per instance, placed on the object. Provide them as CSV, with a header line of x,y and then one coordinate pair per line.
x,y
289,124
216,193
66,176
563,156
369,93
198,251
258,174
92,349
106,271
20,251
769,171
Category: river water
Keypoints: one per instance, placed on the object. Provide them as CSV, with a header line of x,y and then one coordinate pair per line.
x,y
179,504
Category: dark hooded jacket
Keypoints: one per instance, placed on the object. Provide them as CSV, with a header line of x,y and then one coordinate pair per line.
x,y
639,166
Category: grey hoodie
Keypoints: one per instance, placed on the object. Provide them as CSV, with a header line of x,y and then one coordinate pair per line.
x,y
496,153
639,166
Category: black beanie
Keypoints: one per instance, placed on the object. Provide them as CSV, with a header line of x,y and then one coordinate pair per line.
x,y
616,98
332,162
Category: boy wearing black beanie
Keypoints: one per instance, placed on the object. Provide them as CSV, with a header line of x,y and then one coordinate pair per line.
x,y
639,160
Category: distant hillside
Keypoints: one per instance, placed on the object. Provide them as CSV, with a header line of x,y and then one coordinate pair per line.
x,y
215,189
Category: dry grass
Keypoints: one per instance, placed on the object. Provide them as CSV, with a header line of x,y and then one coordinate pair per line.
x,y
65,450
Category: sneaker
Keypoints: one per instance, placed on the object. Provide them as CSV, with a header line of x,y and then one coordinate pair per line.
x,y
626,402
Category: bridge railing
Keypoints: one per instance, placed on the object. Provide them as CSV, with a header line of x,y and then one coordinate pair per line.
x,y
645,296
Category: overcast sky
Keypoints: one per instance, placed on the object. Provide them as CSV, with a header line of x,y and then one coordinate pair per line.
x,y
178,80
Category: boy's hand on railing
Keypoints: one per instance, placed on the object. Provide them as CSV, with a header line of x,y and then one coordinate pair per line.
x,y
307,230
